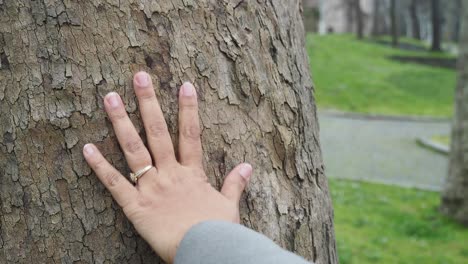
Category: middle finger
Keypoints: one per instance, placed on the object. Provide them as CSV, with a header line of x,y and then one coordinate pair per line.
x,y
135,151
159,139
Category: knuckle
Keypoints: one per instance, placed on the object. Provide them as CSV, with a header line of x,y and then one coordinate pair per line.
x,y
157,129
112,178
162,186
147,96
118,115
177,179
165,156
243,182
237,182
229,181
134,146
144,201
98,164
189,105
191,131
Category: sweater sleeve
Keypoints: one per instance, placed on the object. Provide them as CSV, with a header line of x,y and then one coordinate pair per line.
x,y
213,242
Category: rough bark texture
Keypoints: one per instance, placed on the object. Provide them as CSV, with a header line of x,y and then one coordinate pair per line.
x,y
455,193
249,64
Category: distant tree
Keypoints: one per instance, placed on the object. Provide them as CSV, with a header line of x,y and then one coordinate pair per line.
x,y
359,19
350,17
454,18
455,193
415,26
394,22
436,24
458,13
376,18
402,18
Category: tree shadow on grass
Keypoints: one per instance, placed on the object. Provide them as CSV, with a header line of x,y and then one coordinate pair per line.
x,y
447,63
401,45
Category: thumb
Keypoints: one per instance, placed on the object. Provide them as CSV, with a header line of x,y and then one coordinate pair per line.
x,y
236,181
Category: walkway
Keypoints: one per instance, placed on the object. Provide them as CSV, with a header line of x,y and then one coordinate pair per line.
x,y
382,151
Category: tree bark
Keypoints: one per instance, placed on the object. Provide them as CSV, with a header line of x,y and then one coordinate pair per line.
x,y
250,66
359,19
436,23
416,29
394,22
455,193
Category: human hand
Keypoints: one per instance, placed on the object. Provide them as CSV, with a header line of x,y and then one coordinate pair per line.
x,y
174,195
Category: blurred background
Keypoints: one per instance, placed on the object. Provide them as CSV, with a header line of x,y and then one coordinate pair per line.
x,y
385,73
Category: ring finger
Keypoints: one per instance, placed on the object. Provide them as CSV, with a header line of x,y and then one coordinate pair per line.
x,y
135,151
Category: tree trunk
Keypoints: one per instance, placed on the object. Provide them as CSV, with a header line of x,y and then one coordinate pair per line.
x,y
402,22
394,22
416,29
458,12
436,23
376,18
249,64
350,15
455,193
359,19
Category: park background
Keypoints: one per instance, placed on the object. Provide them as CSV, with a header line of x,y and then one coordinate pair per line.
x,y
385,74
382,73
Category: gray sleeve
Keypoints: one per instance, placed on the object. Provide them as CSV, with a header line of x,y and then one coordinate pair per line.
x,y
222,242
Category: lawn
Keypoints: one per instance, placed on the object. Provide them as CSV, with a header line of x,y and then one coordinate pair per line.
x,y
360,76
384,224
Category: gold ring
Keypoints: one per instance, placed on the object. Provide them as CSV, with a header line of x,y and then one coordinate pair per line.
x,y
134,176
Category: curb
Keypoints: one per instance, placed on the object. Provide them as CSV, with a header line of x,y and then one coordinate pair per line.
x,y
353,115
423,187
434,146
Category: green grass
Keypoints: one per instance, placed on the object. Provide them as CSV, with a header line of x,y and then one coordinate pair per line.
x,y
358,76
384,224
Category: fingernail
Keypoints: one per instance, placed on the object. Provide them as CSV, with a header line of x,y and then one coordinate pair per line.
x,y
246,171
187,89
88,149
142,79
113,100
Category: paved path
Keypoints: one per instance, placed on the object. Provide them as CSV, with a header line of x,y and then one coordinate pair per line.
x,y
382,151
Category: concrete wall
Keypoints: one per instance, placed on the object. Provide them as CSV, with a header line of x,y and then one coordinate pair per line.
x,y
335,16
